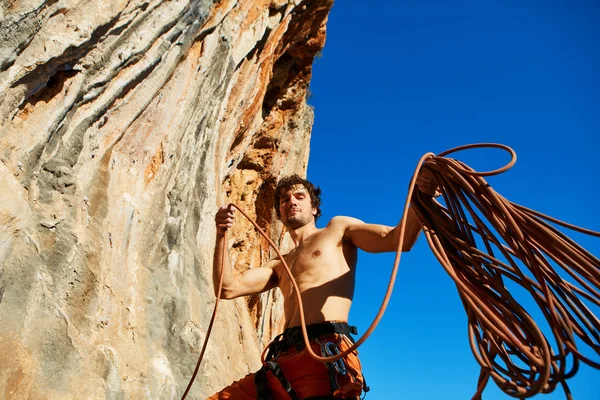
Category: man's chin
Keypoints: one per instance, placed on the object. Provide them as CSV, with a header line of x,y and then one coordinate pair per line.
x,y
294,223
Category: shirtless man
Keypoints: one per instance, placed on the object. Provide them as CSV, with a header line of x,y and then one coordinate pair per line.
x,y
323,263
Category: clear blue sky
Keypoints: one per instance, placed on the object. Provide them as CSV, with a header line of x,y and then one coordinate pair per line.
x,y
398,79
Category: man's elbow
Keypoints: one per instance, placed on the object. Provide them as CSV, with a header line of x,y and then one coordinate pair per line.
x,y
407,247
226,293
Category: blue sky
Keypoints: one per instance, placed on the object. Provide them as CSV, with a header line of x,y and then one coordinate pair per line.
x,y
399,79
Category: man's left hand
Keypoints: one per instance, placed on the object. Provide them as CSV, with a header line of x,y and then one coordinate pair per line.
x,y
426,183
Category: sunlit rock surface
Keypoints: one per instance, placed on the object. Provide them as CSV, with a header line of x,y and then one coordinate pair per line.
x,y
123,126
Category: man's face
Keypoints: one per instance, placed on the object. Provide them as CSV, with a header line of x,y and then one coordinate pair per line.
x,y
295,207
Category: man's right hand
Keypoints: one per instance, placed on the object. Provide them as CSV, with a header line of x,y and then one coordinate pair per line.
x,y
224,219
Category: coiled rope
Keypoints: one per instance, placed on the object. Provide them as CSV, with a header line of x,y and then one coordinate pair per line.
x,y
499,327
506,342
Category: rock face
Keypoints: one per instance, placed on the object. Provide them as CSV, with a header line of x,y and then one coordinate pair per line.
x,y
123,126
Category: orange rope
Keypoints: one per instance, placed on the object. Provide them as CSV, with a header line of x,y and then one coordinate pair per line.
x,y
210,325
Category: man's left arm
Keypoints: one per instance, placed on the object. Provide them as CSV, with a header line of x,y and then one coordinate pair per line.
x,y
374,238
380,238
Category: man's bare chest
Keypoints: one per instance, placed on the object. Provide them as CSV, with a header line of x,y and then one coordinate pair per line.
x,y
319,258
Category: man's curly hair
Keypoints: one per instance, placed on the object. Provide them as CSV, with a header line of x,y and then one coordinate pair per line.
x,y
287,182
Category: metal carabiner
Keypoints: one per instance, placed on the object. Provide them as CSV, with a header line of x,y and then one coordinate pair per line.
x,y
329,349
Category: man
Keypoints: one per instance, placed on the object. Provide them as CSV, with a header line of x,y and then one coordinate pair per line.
x,y
323,263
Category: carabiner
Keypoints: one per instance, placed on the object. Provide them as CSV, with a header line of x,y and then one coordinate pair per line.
x,y
329,349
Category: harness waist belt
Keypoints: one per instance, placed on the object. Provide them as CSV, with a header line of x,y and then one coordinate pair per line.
x,y
293,336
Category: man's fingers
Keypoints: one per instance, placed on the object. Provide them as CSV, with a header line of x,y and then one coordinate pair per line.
x,y
224,218
429,185
224,226
429,188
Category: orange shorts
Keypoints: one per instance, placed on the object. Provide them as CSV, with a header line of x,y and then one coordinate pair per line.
x,y
307,377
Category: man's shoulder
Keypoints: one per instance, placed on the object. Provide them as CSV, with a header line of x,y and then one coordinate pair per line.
x,y
344,221
343,224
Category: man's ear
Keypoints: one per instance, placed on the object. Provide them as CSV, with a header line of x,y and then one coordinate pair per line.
x,y
314,211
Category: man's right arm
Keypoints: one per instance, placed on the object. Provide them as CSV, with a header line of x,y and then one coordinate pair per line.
x,y
252,281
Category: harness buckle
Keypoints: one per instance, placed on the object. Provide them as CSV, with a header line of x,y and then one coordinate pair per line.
x,y
294,339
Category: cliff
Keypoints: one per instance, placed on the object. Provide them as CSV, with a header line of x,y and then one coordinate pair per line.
x,y
123,126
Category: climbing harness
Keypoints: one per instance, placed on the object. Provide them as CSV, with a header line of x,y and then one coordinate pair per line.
x,y
500,330
293,336
291,339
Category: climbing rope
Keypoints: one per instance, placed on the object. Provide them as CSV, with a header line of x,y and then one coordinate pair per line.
x,y
211,323
500,330
506,342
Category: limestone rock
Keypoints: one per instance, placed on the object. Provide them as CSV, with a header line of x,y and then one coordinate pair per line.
x,y
123,126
